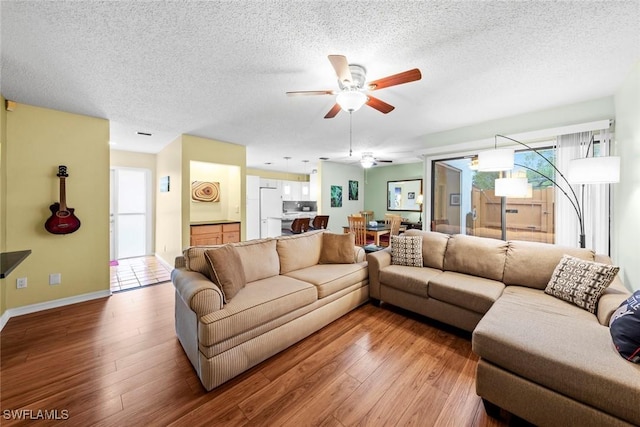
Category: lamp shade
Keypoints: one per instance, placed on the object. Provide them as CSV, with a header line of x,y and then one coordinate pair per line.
x,y
512,187
594,170
419,199
500,159
351,100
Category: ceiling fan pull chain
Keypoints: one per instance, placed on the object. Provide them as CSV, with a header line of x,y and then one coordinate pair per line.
x,y
350,127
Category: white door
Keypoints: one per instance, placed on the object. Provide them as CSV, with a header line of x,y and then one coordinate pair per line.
x,y
130,213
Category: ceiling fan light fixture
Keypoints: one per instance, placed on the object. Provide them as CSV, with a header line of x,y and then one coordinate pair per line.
x,y
367,160
351,100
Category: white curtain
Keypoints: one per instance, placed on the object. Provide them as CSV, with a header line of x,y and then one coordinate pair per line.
x,y
592,200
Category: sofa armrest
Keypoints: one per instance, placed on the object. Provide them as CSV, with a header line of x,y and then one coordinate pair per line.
x,y
359,254
199,293
377,261
612,297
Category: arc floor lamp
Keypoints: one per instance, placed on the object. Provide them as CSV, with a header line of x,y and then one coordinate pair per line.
x,y
587,170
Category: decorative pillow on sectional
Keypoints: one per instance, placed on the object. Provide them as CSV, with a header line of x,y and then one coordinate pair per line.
x,y
227,269
406,250
580,282
337,248
625,328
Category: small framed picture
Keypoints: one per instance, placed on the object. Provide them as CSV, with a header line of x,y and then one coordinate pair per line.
x,y
454,199
411,195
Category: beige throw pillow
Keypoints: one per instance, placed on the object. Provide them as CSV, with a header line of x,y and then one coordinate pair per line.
x,y
580,282
337,248
227,269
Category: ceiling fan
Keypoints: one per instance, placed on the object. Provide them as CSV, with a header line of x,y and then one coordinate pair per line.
x,y
368,160
351,80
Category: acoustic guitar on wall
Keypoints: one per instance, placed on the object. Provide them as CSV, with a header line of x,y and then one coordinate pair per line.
x,y
62,219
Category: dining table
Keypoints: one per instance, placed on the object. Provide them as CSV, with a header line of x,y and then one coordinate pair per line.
x,y
375,231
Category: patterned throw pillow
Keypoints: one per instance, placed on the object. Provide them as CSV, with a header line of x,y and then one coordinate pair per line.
x,y
406,250
580,282
625,328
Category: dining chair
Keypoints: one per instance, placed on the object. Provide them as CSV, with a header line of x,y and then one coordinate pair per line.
x,y
300,225
320,222
368,216
357,226
394,225
387,219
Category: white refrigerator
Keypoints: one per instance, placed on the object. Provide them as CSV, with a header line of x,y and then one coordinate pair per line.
x,y
270,212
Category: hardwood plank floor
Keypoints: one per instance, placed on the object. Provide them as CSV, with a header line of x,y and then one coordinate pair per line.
x,y
117,361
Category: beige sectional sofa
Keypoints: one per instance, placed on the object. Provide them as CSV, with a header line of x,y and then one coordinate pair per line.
x,y
543,359
288,295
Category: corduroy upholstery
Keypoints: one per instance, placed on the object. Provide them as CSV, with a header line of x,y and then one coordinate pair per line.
x,y
288,296
543,359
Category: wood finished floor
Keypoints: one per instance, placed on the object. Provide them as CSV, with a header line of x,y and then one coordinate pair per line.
x,y
117,362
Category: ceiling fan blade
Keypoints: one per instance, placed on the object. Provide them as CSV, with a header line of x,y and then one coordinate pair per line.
x,y
379,105
310,92
332,113
396,79
341,66
384,161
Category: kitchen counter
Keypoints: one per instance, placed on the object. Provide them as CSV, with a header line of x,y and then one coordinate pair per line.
x,y
215,222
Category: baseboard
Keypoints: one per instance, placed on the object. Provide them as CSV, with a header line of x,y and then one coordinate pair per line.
x,y
163,262
33,308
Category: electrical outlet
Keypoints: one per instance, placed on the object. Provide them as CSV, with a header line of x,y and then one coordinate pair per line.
x,y
55,279
21,282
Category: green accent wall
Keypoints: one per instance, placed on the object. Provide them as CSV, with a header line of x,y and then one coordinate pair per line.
x,y
375,187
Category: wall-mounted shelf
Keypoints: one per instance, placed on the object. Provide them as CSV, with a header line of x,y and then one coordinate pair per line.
x,y
10,260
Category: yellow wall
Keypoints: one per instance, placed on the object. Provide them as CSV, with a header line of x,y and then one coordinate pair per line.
x,y
207,150
229,205
37,141
3,199
169,204
278,175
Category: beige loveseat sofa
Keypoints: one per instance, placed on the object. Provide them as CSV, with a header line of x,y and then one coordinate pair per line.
x,y
288,295
546,360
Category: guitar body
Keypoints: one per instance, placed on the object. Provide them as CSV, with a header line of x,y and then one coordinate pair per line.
x,y
61,222
62,219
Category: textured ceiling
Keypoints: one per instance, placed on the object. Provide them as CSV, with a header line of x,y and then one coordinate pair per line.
x,y
220,69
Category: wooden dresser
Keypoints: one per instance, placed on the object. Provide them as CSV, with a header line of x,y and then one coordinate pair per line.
x,y
215,233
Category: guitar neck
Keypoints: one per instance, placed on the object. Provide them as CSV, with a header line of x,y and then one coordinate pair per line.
x,y
63,195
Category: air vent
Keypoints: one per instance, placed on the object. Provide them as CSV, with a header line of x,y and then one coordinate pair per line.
x,y
323,158
143,133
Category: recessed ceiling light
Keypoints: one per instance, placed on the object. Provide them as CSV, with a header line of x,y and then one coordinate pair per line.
x,y
143,133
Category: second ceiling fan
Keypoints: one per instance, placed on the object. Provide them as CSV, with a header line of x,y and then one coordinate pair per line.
x,y
353,85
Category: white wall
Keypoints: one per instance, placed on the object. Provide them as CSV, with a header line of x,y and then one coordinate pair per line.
x,y
338,174
626,194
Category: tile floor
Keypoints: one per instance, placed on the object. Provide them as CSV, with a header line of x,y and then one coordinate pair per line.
x,y
132,273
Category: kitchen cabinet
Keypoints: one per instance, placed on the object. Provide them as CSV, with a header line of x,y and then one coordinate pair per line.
x,y
270,183
215,234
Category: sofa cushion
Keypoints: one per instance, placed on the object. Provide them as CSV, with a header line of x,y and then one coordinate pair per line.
x,y
625,328
531,263
568,350
406,250
331,278
478,256
412,280
227,270
471,292
259,259
299,250
337,248
257,303
580,282
434,246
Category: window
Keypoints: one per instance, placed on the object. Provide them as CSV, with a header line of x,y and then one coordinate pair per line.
x,y
464,200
